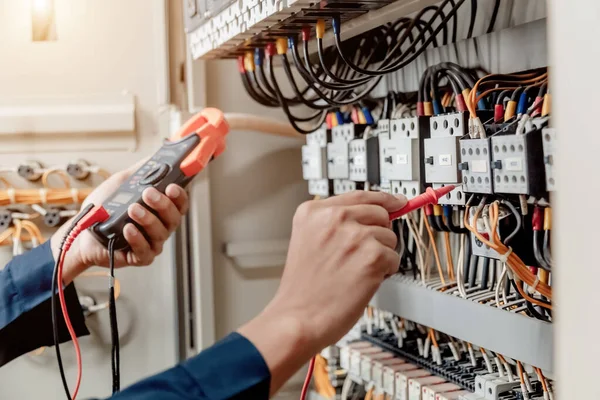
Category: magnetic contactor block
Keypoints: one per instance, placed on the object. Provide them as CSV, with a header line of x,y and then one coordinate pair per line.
x,y
314,163
401,153
475,160
549,145
441,154
337,151
518,164
363,160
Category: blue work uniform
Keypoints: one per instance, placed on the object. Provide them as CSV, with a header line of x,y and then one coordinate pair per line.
x,y
231,369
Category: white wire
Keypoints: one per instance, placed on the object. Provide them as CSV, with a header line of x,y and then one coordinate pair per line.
x,y
459,272
500,285
346,388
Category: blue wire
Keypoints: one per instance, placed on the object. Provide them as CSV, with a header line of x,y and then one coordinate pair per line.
x,y
522,106
368,116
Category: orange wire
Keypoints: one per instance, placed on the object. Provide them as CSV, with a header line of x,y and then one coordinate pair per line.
x,y
513,261
448,250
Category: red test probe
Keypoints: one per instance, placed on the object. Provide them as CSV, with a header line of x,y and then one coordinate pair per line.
x,y
430,196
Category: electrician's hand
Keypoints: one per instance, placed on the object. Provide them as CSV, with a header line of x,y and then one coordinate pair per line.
x,y
341,250
86,251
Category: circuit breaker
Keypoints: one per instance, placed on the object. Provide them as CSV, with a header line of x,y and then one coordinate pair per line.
x,y
441,154
549,145
518,163
475,159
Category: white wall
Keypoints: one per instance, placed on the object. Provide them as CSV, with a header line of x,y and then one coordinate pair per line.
x,y
103,47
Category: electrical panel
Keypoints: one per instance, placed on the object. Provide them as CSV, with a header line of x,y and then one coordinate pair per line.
x,y
484,252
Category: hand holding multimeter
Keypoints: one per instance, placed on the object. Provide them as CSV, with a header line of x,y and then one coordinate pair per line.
x,y
179,159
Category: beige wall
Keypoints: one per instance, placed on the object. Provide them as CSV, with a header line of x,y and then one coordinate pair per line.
x,y
103,47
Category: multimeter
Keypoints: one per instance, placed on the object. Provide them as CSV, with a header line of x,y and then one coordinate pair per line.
x,y
181,157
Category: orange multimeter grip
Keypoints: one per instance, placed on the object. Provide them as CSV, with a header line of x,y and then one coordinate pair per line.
x,y
212,142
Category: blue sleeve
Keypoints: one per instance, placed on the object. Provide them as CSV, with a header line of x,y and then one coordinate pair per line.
x,y
25,316
25,283
231,369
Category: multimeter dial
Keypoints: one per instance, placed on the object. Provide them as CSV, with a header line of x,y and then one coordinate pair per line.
x,y
155,175
159,171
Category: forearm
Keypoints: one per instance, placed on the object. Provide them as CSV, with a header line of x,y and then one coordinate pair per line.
x,y
283,341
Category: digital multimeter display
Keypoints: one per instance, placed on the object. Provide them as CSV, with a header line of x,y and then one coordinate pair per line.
x,y
122,197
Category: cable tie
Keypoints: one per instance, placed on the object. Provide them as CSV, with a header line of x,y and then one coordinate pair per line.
x,y
504,257
111,281
534,287
44,196
75,195
11,195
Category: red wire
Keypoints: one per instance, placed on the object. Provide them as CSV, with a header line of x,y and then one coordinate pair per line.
x,y
65,312
309,373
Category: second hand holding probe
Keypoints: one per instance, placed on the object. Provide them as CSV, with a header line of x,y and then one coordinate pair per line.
x,y
431,196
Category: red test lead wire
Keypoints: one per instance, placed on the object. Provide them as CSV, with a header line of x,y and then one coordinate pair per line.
x,y
430,196
95,215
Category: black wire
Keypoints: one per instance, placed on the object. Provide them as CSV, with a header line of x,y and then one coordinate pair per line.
x,y
546,248
537,251
473,18
114,328
292,119
399,63
474,264
494,16
54,299
467,258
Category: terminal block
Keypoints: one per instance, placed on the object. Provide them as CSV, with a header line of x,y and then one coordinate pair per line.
x,y
475,160
320,187
341,186
518,164
441,154
549,145
338,166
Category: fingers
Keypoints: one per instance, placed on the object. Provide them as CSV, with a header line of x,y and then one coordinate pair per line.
x,y
389,202
383,235
141,252
162,204
364,214
383,259
152,225
179,197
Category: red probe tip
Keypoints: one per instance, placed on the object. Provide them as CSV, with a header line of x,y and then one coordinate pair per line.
x,y
430,196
